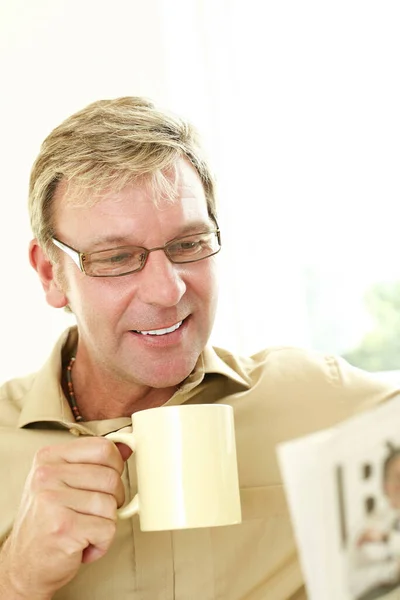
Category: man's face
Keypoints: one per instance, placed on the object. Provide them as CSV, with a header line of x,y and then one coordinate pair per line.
x,y
111,312
392,482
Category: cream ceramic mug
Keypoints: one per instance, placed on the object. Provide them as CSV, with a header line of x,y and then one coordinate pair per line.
x,y
186,467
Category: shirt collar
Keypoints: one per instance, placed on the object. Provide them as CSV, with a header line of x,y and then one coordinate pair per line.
x,y
45,401
222,362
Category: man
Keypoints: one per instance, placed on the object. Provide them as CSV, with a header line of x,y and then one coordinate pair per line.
x,y
122,206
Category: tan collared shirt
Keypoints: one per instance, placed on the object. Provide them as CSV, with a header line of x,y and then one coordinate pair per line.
x,y
277,394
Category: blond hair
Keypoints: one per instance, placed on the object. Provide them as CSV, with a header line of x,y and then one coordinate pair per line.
x,y
107,145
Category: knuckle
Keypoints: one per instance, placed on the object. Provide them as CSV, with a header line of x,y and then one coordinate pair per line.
x,y
41,476
48,498
112,508
113,482
106,537
43,454
62,523
111,529
104,505
105,449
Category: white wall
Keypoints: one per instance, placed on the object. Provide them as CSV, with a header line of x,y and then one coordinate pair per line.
x,y
298,103
56,56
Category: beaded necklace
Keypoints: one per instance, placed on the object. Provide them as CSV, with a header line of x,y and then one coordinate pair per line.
x,y
71,395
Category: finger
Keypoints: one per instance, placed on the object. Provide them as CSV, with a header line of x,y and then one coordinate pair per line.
x,y
95,478
90,450
85,531
96,504
99,534
82,502
91,553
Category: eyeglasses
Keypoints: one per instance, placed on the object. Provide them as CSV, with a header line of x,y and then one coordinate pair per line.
x,y
124,260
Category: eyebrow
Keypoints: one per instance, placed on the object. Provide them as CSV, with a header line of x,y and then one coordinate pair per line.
x,y
124,240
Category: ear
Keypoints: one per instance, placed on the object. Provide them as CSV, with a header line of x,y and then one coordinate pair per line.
x,y
55,296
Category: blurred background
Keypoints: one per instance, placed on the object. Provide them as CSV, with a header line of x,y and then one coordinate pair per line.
x,y
298,104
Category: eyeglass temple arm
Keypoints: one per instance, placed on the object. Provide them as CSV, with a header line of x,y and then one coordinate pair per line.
x,y
218,231
70,251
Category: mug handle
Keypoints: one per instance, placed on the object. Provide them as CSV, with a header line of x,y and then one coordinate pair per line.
x,y
133,507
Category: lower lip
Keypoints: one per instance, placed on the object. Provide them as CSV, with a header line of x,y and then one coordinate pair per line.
x,y
162,341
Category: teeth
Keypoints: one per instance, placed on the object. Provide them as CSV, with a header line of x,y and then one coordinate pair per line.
x,y
161,331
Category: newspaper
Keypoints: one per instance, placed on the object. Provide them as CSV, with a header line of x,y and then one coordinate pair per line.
x,y
343,490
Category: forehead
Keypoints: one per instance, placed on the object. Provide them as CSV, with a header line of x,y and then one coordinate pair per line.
x,y
159,186
136,208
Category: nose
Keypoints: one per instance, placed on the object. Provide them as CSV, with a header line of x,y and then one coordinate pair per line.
x,y
160,281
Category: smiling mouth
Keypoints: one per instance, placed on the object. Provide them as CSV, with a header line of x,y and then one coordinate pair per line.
x,y
160,331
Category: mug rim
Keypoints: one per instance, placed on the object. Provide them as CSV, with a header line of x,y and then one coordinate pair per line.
x,y
183,406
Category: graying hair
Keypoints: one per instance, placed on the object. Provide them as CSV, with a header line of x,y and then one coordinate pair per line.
x,y
107,145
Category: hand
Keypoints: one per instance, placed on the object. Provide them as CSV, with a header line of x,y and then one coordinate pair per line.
x,y
67,515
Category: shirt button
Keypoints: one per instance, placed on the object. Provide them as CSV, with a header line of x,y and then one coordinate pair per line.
x,y
75,431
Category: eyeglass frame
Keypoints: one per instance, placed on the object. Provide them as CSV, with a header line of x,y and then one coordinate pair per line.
x,y
79,257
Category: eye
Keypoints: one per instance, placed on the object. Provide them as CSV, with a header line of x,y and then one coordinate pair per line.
x,y
121,257
185,247
113,258
188,245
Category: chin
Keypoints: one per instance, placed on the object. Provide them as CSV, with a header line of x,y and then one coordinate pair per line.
x,y
170,375
167,381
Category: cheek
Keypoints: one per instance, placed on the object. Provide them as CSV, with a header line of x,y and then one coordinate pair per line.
x,y
213,287
205,281
96,296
